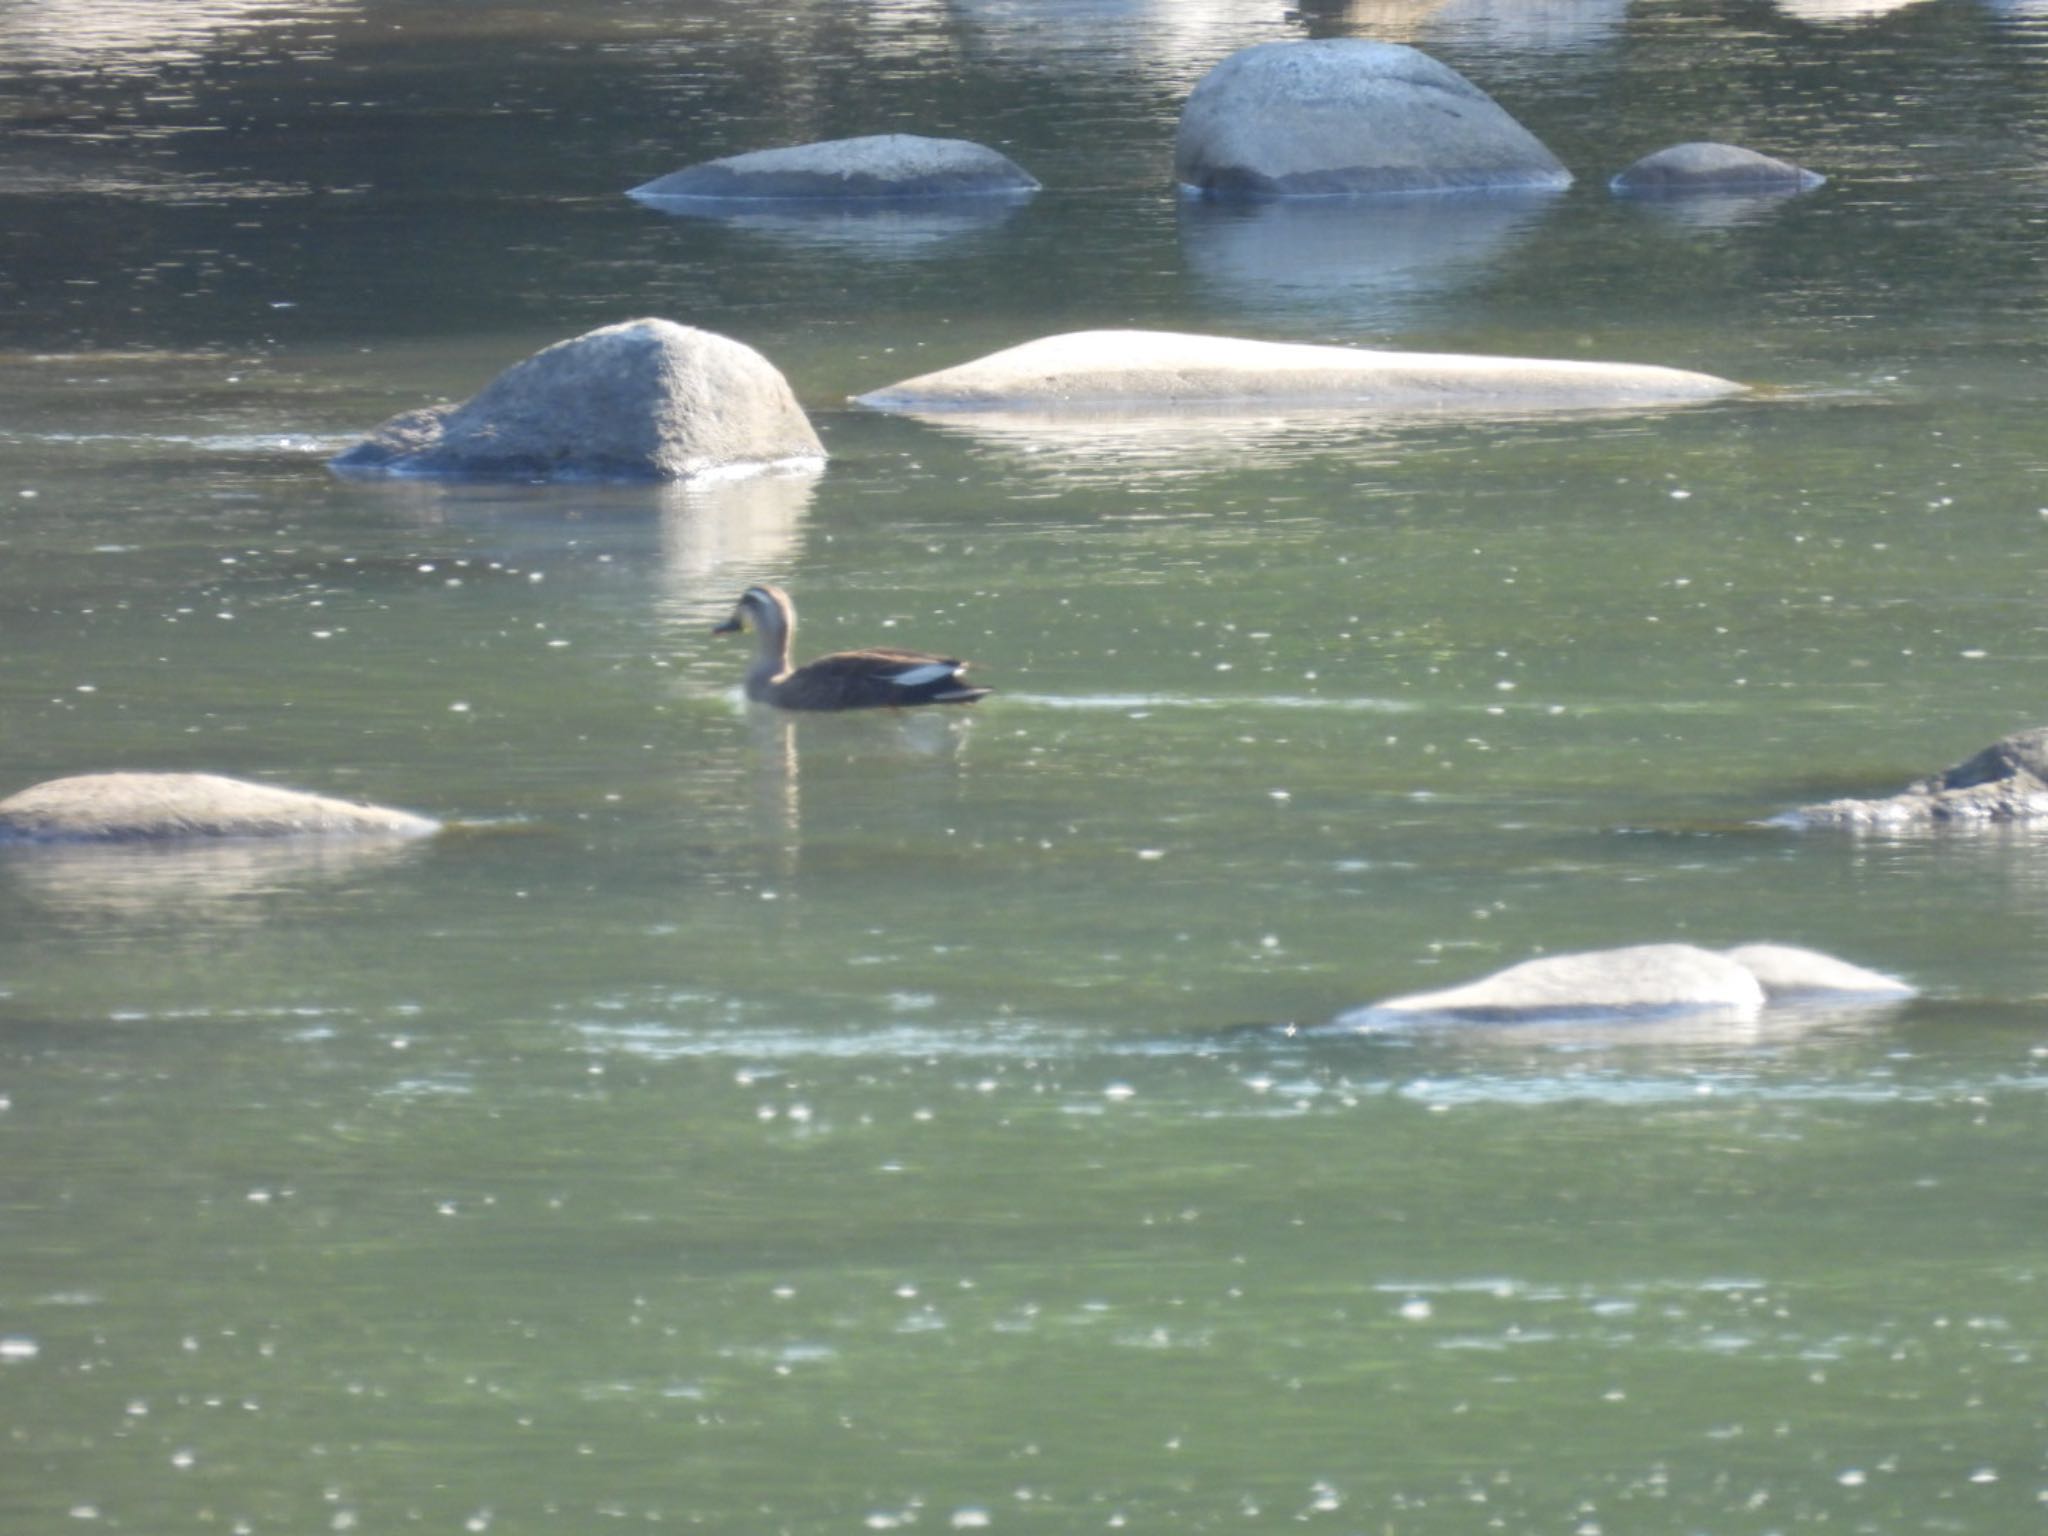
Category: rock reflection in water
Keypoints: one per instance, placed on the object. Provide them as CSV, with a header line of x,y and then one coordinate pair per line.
x,y
1555,26
721,535
1843,10
137,37
216,881
713,535
1363,262
893,229
1186,440
1714,210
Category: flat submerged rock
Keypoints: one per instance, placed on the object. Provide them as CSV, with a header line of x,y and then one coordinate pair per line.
x,y
1167,370
156,807
1643,981
881,166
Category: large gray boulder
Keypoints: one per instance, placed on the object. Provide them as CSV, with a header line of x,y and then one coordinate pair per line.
x,y
1346,116
881,165
2006,782
149,807
642,400
1153,371
1710,167
1644,981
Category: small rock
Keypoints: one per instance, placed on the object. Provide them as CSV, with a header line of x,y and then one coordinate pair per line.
x,y
1710,167
883,165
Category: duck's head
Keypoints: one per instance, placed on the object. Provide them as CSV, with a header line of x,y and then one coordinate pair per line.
x,y
764,608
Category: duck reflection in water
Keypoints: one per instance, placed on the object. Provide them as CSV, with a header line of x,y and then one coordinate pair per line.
x,y
865,767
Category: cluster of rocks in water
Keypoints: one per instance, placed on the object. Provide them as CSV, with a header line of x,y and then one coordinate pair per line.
x,y
1340,118
652,399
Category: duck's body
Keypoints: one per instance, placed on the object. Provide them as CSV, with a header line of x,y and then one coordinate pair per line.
x,y
877,678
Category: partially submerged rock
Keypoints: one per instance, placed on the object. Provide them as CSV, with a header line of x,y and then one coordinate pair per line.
x,y
2006,782
1789,974
1152,371
877,166
1709,167
151,807
1345,116
642,400
1644,981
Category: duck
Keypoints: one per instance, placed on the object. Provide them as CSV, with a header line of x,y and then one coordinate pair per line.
x,y
875,678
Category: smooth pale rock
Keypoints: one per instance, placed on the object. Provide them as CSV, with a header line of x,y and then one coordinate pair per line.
x,y
1788,973
1155,370
1647,981
1641,979
2006,782
1710,167
1344,116
644,399
882,165
135,807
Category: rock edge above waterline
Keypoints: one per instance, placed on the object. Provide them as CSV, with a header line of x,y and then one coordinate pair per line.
x,y
1152,371
2006,782
1644,981
153,807
641,400
874,167
1345,117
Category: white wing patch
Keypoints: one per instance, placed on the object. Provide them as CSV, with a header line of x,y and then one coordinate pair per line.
x,y
929,672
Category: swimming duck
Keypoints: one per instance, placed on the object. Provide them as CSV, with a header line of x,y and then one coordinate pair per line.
x,y
870,679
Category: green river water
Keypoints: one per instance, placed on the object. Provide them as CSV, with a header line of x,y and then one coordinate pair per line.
x,y
847,1124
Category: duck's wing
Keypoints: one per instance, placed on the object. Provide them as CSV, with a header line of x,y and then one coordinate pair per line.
x,y
877,678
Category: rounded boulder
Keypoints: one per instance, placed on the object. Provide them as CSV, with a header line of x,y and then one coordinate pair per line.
x,y
1343,117
642,400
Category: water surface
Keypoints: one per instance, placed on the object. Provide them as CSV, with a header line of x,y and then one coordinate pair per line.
x,y
853,1124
